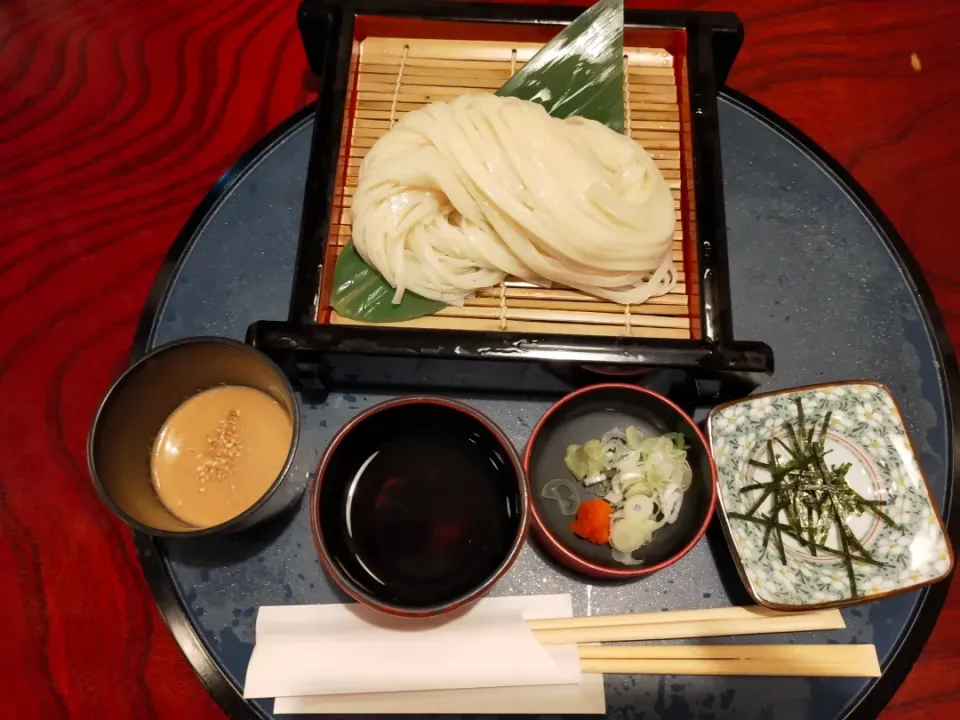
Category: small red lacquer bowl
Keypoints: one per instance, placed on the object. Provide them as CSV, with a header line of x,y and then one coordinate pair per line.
x,y
587,414
419,506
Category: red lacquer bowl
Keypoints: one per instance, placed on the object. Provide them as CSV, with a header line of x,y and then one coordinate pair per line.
x,y
419,506
587,414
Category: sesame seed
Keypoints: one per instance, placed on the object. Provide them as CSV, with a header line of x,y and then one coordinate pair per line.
x,y
223,448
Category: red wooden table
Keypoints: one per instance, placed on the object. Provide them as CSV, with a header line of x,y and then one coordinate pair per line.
x,y
117,117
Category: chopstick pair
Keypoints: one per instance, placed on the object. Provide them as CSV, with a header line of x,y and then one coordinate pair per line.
x,y
769,660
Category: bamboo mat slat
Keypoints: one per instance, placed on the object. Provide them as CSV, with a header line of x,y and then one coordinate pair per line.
x,y
464,53
395,76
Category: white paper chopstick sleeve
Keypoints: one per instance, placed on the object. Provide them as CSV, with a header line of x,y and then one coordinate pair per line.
x,y
343,649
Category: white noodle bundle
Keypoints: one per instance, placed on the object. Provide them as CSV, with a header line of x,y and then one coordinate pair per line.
x,y
458,195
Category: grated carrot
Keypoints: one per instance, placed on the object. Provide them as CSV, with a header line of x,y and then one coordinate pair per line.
x,y
593,521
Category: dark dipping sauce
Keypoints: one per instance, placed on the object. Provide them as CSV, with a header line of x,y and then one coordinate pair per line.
x,y
419,505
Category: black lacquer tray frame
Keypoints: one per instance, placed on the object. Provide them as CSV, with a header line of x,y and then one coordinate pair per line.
x,y
921,624
716,366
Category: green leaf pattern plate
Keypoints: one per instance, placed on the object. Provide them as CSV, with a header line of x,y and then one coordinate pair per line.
x,y
866,430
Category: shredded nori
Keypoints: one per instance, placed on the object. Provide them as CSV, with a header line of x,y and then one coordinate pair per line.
x,y
813,497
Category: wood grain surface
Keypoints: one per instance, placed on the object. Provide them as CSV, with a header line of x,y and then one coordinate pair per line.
x,y
115,120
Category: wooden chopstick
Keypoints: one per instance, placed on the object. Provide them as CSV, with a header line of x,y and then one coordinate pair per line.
x,y
750,612
820,654
729,667
682,624
779,660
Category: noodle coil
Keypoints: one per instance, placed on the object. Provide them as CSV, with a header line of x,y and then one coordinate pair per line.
x,y
458,195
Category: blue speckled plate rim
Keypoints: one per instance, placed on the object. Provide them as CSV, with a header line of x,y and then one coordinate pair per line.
x,y
918,628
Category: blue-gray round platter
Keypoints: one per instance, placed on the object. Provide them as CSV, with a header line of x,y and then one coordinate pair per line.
x,y
816,272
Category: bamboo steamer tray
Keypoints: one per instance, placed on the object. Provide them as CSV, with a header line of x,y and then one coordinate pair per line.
x,y
391,76
379,60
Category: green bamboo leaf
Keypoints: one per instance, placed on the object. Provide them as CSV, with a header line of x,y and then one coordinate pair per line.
x,y
361,293
579,72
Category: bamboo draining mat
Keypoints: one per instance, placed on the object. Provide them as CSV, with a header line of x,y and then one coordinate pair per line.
x,y
395,75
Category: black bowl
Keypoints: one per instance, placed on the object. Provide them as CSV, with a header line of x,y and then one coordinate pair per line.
x,y
589,413
419,506
139,403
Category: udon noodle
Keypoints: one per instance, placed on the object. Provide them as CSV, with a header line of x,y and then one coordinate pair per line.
x,y
458,195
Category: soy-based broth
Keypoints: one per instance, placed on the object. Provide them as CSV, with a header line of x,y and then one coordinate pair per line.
x,y
429,508
219,452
